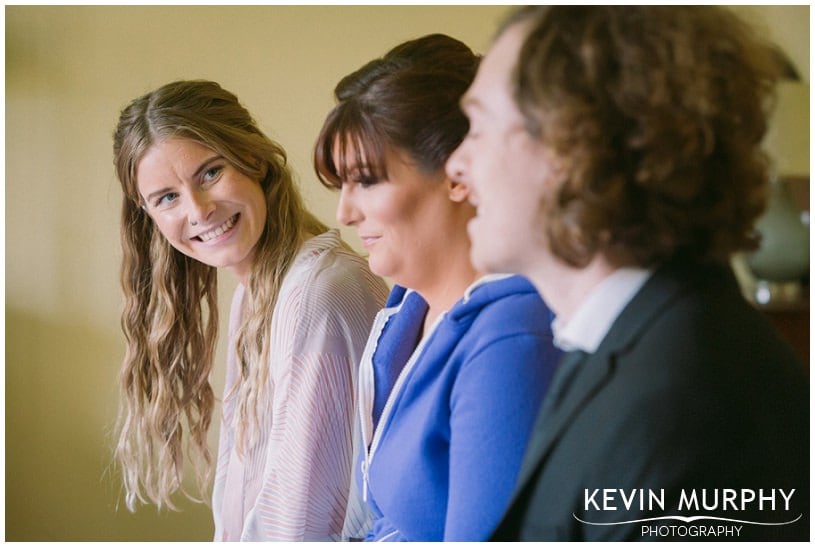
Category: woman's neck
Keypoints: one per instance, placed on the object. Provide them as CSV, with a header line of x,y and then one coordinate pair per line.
x,y
443,292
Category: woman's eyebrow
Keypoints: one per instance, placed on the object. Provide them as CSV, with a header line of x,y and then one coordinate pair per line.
x,y
201,168
205,164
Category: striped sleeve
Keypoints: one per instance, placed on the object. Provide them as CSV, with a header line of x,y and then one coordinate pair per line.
x,y
304,490
324,320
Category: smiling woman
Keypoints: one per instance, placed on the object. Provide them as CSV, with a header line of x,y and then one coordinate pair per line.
x,y
204,206
458,361
205,189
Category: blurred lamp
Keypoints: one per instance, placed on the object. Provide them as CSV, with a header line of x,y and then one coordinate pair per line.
x,y
781,263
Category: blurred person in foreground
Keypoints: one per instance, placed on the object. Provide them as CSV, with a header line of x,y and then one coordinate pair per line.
x,y
614,159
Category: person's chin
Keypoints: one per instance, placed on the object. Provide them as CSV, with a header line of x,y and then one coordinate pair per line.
x,y
482,260
376,266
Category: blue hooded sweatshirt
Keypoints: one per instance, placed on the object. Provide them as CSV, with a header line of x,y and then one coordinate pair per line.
x,y
446,419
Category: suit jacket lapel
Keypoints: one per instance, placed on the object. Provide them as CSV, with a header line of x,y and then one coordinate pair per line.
x,y
557,412
595,370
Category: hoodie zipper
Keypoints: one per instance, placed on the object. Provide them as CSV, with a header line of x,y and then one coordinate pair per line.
x,y
371,439
366,417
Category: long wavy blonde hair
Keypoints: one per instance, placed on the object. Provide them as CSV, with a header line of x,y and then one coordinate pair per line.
x,y
170,316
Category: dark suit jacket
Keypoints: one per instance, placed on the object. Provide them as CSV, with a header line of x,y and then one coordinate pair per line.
x,y
691,393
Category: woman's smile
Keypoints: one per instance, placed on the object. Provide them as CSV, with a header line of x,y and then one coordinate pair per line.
x,y
221,230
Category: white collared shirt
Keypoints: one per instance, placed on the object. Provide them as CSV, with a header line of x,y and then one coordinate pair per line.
x,y
598,311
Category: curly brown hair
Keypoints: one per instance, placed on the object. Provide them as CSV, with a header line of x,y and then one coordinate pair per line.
x,y
659,112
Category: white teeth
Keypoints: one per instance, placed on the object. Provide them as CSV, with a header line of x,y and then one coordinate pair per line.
x,y
219,230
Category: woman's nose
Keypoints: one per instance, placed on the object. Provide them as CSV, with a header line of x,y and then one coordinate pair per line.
x,y
348,214
201,207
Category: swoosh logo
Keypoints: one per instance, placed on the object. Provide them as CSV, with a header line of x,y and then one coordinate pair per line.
x,y
687,519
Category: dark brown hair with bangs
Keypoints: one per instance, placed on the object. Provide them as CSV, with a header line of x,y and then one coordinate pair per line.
x,y
408,100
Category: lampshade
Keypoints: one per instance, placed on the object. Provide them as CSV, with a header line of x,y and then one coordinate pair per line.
x,y
778,267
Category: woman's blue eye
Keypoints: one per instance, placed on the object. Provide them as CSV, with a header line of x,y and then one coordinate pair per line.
x,y
166,199
212,173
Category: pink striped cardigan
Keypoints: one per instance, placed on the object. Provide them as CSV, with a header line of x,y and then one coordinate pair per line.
x,y
292,484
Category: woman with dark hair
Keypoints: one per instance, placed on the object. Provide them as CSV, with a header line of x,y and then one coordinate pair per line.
x,y
204,188
457,362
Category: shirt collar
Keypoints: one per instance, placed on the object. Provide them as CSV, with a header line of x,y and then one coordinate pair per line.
x,y
598,311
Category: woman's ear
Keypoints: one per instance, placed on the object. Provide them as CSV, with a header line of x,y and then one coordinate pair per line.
x,y
457,191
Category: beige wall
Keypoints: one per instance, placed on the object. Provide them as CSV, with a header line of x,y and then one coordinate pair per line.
x,y
69,70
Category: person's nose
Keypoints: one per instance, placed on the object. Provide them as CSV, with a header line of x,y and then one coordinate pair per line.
x,y
348,213
200,208
456,165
